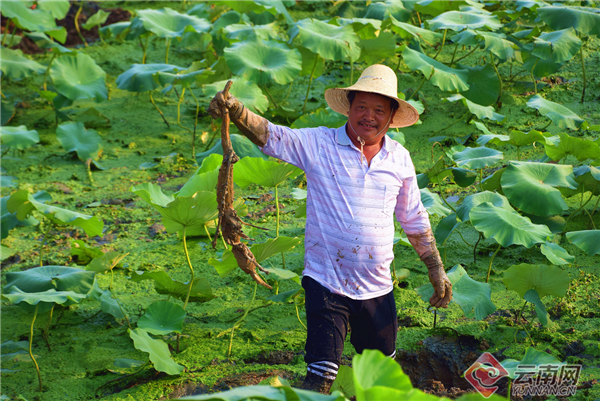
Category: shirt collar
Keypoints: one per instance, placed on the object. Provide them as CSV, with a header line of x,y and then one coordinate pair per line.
x,y
343,139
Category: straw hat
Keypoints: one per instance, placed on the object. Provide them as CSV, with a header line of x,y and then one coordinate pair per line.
x,y
378,79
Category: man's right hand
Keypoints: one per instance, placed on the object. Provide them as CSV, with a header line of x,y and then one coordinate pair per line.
x,y
229,101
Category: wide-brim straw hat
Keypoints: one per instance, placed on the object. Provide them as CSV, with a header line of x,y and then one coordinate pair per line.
x,y
379,79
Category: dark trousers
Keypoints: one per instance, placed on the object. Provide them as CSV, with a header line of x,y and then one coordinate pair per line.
x,y
373,323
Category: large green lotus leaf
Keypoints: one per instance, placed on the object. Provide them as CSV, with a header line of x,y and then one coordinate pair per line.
x,y
585,20
495,43
408,31
241,145
9,220
18,137
438,170
556,254
433,203
58,8
206,182
78,77
473,297
246,31
587,240
211,163
168,23
507,227
588,178
546,280
445,228
49,297
191,213
445,78
162,318
559,114
383,10
23,203
264,61
260,6
480,111
378,49
374,371
158,351
494,139
26,18
83,254
15,65
259,392
533,297
105,262
252,170
539,67
97,19
531,357
558,46
463,177
245,91
312,63
458,21
44,42
477,158
118,30
435,8
152,194
163,284
141,77
581,148
484,85
471,201
261,252
344,382
531,186
520,138
320,118
75,138
186,77
328,41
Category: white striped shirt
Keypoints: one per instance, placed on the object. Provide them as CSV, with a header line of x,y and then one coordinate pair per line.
x,y
350,205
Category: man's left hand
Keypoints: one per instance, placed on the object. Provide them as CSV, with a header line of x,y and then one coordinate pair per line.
x,y
441,285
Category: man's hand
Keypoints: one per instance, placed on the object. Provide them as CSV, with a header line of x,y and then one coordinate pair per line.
x,y
441,285
220,100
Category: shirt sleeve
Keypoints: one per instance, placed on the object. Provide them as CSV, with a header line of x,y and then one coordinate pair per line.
x,y
410,211
298,147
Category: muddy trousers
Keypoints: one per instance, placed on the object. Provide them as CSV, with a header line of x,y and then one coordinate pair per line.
x,y
373,324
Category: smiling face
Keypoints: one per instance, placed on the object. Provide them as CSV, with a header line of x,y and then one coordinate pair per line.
x,y
369,117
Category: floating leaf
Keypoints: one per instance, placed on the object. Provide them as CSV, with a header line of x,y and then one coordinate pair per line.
x,y
78,77
458,21
477,158
247,92
445,78
473,297
158,350
556,254
531,186
328,41
252,170
168,23
480,111
477,199
75,138
559,114
163,284
507,227
587,240
48,297
546,280
18,137
16,66
162,318
433,204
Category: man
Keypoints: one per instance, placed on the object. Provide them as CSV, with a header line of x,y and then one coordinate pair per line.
x,y
357,178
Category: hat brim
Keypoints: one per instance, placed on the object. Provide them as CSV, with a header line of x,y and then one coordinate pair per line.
x,y
337,99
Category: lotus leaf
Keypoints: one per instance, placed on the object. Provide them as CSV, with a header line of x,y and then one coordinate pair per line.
x,y
587,240
507,227
246,31
471,201
200,182
344,382
152,194
168,23
49,297
584,21
258,392
44,42
58,8
477,158
26,18
16,66
558,46
408,31
11,39
556,224
495,43
328,41
463,177
433,204
374,50
23,203
158,350
438,170
118,29
546,280
533,297
445,228
581,148
95,20
252,170
446,78
484,86
383,10
539,67
75,138
141,77
78,77
378,377
109,305
245,91
556,254
163,284
83,254
588,178
480,111
264,61
162,318
105,262
473,297
531,186
559,114
458,21
532,357
275,7
435,8
18,137
190,213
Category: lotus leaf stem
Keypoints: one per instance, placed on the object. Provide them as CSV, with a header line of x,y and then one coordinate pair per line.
x,y
179,111
207,233
45,332
475,248
37,368
518,153
594,209
310,82
533,78
88,165
277,221
516,75
455,122
167,52
464,240
453,54
77,24
195,124
583,71
298,315
492,261
157,109
419,18
241,319
117,300
591,219
187,257
125,376
351,72
270,97
418,89
465,56
42,246
498,74
6,32
443,43
481,179
546,126
289,92
582,205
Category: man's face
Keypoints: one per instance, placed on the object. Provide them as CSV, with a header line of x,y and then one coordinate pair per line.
x,y
369,117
